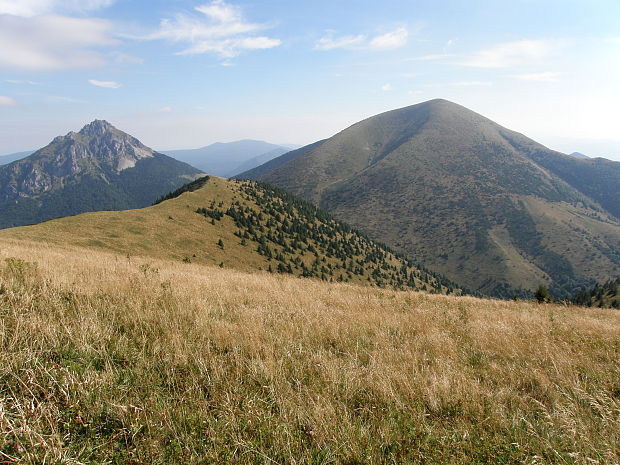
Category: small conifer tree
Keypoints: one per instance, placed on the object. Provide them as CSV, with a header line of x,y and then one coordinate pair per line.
x,y
542,294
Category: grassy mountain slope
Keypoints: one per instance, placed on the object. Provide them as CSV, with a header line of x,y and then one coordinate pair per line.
x,y
105,360
239,225
226,158
452,188
98,168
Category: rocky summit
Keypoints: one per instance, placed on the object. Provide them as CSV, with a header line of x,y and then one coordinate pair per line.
x,y
99,167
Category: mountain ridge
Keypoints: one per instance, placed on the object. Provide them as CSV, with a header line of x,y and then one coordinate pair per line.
x,y
243,225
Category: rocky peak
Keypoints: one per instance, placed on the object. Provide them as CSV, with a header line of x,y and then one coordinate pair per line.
x,y
97,148
96,128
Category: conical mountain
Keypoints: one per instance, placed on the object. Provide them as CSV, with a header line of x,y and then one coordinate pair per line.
x,y
484,205
97,168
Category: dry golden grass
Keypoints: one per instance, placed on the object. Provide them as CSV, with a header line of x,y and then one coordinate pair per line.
x,y
106,360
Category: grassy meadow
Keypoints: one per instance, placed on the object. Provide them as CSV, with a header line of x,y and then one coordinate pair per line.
x,y
112,359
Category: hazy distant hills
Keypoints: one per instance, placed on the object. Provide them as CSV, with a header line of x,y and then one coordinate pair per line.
x,y
97,168
11,157
578,155
241,225
486,206
229,158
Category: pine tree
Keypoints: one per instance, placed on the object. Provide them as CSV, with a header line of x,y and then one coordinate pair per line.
x,y
542,294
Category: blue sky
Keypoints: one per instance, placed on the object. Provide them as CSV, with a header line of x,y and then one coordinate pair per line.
x,y
183,74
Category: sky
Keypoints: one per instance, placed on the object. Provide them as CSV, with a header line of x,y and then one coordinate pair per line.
x,y
186,73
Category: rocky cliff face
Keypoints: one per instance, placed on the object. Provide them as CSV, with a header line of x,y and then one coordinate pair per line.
x,y
110,146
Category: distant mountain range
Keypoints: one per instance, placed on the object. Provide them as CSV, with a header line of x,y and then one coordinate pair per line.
x,y
485,206
11,157
97,168
227,159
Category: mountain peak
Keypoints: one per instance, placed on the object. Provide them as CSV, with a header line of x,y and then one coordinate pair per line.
x,y
97,127
446,107
98,168
440,101
437,173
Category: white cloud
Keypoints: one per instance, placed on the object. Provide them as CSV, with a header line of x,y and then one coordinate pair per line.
x,y
387,87
29,8
471,84
449,44
20,81
230,48
221,12
510,54
7,101
220,28
165,110
52,42
123,58
538,77
393,39
435,57
390,40
106,84
462,84
329,42
63,99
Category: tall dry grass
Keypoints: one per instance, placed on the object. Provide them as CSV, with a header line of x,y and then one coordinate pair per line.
x,y
105,359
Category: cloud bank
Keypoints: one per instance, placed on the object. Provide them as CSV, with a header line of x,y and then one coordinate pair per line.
x,y
30,8
52,42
